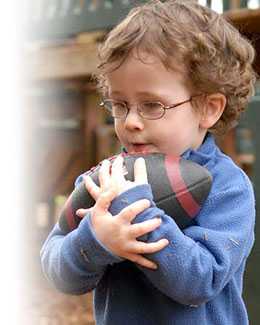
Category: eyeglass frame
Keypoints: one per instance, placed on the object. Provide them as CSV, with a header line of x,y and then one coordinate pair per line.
x,y
102,104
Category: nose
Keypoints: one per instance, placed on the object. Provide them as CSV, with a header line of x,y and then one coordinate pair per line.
x,y
133,121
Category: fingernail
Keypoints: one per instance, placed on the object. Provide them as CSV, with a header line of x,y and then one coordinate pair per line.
x,y
86,177
78,213
87,181
141,159
105,161
119,158
147,202
157,221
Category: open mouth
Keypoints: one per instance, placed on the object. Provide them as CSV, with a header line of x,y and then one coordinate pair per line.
x,y
139,148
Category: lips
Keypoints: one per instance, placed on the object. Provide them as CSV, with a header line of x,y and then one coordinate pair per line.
x,y
139,147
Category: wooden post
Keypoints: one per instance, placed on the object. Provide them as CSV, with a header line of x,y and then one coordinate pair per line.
x,y
226,5
243,3
234,4
92,119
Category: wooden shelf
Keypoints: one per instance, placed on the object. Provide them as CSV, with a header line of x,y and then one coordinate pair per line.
x,y
247,20
60,62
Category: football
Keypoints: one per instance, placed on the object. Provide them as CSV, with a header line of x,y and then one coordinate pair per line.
x,y
179,186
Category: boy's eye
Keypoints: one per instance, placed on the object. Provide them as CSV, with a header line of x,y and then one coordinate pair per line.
x,y
118,105
151,105
118,109
151,110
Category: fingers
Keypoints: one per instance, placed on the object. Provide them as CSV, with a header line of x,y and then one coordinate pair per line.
x,y
146,248
142,228
117,170
131,211
138,259
149,248
140,171
104,174
92,187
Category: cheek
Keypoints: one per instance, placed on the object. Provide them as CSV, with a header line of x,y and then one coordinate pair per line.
x,y
119,130
170,134
165,131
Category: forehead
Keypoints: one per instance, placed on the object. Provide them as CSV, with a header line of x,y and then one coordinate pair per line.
x,y
144,74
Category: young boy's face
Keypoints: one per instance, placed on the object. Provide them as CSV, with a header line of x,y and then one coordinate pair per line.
x,y
136,81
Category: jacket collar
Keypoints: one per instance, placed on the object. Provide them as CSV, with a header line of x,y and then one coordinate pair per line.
x,y
204,154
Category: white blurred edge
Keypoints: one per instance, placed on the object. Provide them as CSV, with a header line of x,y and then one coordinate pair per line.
x,y
10,157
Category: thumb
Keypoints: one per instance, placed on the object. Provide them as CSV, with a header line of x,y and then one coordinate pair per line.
x,y
104,201
81,213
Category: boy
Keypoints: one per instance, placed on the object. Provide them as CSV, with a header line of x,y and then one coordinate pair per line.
x,y
172,73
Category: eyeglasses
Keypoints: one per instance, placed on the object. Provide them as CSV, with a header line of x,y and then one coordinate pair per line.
x,y
147,110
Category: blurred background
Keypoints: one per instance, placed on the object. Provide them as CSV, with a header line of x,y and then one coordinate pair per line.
x,y
66,133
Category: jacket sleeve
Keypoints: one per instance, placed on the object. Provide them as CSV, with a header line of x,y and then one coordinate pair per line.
x,y
199,261
75,262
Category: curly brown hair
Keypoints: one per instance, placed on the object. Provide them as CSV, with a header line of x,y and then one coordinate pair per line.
x,y
192,38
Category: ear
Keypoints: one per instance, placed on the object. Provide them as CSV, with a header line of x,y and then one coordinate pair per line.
x,y
213,109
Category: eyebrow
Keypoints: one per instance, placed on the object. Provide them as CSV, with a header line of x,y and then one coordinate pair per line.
x,y
142,93
115,93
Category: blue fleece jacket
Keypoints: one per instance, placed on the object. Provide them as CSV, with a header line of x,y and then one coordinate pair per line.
x,y
200,274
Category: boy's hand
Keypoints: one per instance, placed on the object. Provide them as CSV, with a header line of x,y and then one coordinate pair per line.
x,y
115,175
117,233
